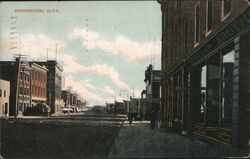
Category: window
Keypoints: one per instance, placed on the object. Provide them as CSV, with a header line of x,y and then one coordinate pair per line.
x,y
213,95
20,90
226,7
0,93
227,88
4,93
201,93
209,17
197,23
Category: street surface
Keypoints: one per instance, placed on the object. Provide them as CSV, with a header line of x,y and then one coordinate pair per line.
x,y
97,136
140,141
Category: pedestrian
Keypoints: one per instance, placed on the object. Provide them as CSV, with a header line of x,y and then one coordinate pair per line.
x,y
159,119
130,118
5,112
48,111
153,119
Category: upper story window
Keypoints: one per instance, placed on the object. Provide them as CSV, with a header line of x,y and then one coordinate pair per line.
x,y
226,8
209,15
197,23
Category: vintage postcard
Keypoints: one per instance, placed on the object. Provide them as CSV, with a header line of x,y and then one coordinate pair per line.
x,y
124,79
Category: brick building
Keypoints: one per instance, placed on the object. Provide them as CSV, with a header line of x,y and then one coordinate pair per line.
x,y
205,68
38,84
19,77
54,85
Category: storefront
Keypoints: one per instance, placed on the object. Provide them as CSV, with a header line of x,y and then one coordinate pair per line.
x,y
208,93
219,84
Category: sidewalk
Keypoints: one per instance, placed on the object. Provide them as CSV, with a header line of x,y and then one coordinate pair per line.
x,y
140,141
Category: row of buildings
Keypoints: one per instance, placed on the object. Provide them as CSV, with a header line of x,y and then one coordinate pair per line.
x,y
149,100
205,78
30,85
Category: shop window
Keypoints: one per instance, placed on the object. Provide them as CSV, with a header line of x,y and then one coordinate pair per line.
x,y
227,89
209,15
213,96
201,91
180,98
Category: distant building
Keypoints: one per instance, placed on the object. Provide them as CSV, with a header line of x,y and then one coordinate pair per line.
x,y
152,81
54,85
4,97
73,101
144,106
66,97
120,107
110,107
135,106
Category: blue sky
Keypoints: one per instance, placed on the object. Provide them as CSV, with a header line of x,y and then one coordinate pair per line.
x,y
104,47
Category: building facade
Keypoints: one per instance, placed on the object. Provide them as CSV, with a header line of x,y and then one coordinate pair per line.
x,y
54,85
135,106
38,84
205,69
18,73
24,98
4,97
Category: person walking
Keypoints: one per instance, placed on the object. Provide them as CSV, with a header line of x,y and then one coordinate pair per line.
x,y
153,119
159,119
130,118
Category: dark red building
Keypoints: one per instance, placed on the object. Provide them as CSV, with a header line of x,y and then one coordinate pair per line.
x,y
38,84
18,73
205,69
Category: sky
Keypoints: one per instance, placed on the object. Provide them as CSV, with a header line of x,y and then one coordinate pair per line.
x,y
104,47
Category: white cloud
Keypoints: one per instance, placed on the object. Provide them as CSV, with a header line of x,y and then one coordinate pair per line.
x,y
131,50
72,65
